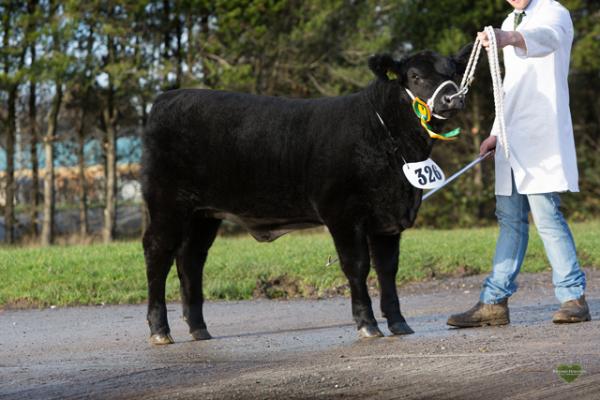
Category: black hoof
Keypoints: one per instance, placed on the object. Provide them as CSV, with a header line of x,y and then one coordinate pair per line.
x,y
369,331
201,334
160,339
400,328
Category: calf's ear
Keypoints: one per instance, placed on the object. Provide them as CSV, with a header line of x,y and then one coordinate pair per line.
x,y
462,58
384,66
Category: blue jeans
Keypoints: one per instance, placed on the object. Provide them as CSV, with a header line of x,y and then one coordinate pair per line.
x,y
512,212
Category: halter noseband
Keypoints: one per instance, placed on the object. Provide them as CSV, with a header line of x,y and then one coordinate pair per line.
x,y
430,103
424,111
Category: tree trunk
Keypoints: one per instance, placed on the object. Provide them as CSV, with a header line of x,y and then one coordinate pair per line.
x,y
166,28
83,218
13,88
204,36
166,25
47,237
82,189
191,50
179,54
109,116
478,172
110,208
33,132
9,209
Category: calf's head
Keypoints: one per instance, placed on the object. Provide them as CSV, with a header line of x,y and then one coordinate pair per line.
x,y
426,75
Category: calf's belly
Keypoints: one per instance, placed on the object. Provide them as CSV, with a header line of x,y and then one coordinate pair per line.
x,y
267,229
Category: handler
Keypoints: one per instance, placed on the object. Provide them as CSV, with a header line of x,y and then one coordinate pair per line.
x,y
536,40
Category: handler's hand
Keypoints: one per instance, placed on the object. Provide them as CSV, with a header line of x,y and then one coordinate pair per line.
x,y
503,38
487,145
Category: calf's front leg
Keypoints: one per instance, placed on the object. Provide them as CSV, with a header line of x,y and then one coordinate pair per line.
x,y
353,252
385,250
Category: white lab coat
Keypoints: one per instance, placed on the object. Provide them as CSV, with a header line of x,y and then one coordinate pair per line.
x,y
536,105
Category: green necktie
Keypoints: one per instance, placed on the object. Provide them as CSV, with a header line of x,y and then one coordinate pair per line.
x,y
518,19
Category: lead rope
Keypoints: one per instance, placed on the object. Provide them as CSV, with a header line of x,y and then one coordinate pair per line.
x,y
497,84
471,66
493,60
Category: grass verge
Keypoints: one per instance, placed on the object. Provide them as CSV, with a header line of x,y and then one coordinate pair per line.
x,y
240,268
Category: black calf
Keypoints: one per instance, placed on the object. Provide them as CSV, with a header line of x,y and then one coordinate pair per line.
x,y
276,164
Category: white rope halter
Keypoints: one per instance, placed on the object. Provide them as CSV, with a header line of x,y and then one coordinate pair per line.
x,y
437,91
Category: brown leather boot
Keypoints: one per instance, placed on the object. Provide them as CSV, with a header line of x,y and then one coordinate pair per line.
x,y
481,315
572,311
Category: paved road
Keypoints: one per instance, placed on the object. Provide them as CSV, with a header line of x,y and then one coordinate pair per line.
x,y
304,349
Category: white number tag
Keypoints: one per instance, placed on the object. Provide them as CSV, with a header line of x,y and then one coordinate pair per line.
x,y
424,174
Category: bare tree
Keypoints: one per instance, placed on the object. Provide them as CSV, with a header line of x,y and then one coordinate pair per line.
x,y
109,116
57,72
33,129
81,188
49,189
85,106
13,78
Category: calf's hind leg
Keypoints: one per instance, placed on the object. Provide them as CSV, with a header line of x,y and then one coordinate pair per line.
x,y
385,250
190,264
160,242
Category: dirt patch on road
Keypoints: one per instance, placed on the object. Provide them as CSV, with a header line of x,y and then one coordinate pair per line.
x,y
286,287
